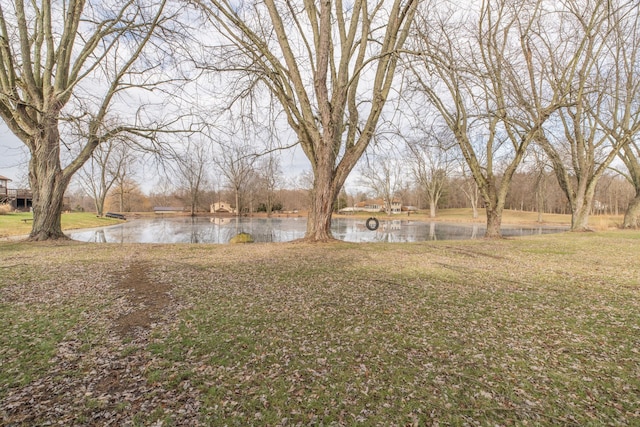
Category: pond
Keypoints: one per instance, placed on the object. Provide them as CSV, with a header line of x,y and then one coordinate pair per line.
x,y
221,230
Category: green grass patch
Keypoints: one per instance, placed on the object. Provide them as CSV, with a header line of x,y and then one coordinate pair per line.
x,y
29,341
13,224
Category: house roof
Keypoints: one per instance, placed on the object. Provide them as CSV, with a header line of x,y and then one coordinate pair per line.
x,y
379,202
4,178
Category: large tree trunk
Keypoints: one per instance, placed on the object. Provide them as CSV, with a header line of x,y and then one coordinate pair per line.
x,y
580,210
494,221
323,197
48,184
494,205
580,219
632,214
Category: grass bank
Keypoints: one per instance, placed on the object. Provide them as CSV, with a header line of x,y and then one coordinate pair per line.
x,y
540,330
19,223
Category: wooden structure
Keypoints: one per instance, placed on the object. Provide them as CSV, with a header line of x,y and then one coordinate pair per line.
x,y
115,215
19,199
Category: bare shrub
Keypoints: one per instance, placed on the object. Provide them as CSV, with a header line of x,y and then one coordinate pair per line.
x,y
5,208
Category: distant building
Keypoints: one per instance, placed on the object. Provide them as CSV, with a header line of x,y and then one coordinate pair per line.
x,y
19,199
222,207
4,189
378,205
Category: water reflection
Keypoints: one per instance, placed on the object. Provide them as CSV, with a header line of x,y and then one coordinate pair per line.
x,y
221,230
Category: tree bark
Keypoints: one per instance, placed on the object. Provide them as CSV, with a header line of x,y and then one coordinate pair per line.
x,y
323,197
494,221
494,198
580,219
581,208
48,184
632,215
319,221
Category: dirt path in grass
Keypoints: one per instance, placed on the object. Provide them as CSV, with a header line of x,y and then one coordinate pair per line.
x,y
149,301
105,382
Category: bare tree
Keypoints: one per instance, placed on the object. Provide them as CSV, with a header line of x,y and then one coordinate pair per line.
x,y
236,164
124,184
383,175
540,170
329,64
50,53
191,171
622,122
479,71
108,162
124,190
599,40
269,176
431,164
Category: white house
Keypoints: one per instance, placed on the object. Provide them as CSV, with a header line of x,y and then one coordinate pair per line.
x,y
378,205
222,207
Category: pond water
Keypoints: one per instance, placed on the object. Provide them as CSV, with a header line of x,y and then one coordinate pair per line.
x,y
221,230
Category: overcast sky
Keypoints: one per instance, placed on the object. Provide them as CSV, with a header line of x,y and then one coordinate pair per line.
x,y
13,157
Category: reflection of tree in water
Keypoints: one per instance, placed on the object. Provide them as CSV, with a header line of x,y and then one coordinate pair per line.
x,y
99,237
474,231
432,231
415,231
197,233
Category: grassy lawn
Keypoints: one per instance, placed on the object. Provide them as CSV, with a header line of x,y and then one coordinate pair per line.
x,y
12,224
540,330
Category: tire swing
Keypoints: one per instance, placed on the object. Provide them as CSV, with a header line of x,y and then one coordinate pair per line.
x,y
372,224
